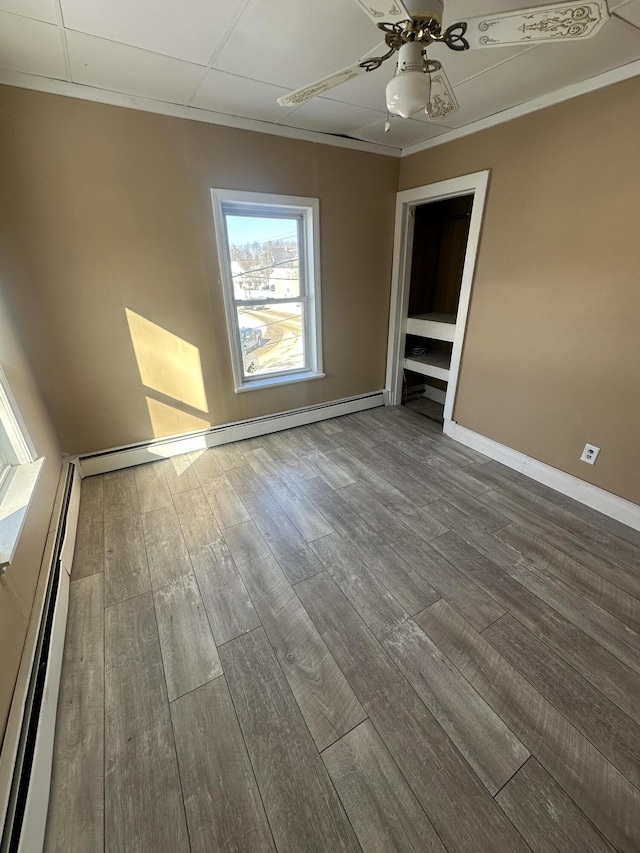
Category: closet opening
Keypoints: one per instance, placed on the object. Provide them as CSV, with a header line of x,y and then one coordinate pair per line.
x,y
437,234
440,237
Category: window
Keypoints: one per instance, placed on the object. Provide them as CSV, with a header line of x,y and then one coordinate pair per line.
x,y
19,472
268,248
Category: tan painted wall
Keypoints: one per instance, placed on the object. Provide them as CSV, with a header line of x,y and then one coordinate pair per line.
x,y
552,352
109,209
17,585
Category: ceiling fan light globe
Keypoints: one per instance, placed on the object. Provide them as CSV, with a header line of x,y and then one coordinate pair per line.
x,y
407,93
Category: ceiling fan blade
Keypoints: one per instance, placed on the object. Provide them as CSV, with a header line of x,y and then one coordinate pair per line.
x,y
294,99
384,11
566,22
443,101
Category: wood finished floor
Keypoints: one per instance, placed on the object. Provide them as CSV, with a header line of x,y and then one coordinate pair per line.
x,y
355,635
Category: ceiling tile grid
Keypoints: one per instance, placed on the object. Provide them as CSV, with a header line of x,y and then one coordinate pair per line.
x,y
238,96
293,42
30,46
536,72
40,10
182,29
120,68
329,116
401,134
629,11
236,57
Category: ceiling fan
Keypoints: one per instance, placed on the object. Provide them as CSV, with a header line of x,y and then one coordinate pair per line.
x,y
410,28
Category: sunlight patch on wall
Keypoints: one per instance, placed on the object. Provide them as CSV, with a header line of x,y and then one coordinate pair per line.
x,y
168,420
168,364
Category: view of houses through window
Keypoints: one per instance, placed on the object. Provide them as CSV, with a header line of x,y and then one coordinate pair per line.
x,y
265,269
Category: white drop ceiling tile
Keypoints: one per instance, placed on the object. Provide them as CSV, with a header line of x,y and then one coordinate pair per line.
x,y
488,94
120,68
464,64
460,10
185,29
368,90
329,116
295,42
404,132
40,10
31,47
238,96
543,70
630,12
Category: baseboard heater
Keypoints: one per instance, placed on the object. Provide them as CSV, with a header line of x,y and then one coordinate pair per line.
x,y
147,451
27,751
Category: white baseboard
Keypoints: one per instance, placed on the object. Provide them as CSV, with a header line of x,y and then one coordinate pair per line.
x,y
36,807
605,502
15,758
37,803
436,394
138,454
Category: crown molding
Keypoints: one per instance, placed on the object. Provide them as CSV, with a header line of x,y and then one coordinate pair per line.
x,y
608,78
132,102
117,99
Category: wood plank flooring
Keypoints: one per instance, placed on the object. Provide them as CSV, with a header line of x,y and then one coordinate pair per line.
x,y
352,636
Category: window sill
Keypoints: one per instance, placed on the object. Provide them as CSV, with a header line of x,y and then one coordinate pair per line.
x,y
274,381
14,504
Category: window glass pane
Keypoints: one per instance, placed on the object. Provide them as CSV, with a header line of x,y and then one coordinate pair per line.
x,y
7,455
264,256
271,339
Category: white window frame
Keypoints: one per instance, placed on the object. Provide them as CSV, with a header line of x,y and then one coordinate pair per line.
x,y
19,473
307,210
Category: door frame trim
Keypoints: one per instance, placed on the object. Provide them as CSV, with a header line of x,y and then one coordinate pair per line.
x,y
475,184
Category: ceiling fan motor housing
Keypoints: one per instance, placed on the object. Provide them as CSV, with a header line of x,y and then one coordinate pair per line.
x,y
423,10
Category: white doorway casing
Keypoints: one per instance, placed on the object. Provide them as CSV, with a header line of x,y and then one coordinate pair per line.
x,y
474,184
477,183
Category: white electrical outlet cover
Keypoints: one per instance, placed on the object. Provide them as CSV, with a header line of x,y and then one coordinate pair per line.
x,y
589,454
